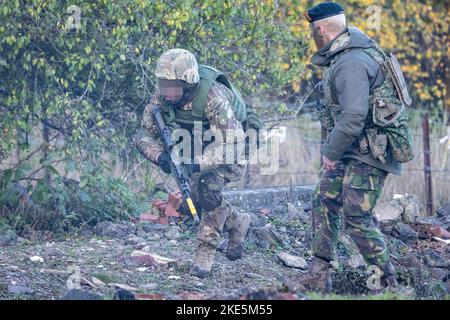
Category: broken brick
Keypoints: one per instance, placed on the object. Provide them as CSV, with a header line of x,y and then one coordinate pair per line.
x,y
171,211
439,232
148,296
140,261
148,217
186,295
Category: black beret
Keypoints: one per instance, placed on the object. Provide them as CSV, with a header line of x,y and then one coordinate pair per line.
x,y
323,10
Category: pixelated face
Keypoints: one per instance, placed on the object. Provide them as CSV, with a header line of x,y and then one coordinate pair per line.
x,y
317,35
170,90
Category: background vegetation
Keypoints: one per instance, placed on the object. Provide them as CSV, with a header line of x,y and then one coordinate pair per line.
x,y
72,91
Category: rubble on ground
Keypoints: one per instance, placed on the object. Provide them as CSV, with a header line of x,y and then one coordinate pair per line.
x,y
152,260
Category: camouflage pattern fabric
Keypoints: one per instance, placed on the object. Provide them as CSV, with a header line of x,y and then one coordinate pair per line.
x,y
351,190
177,64
379,136
208,183
216,219
218,111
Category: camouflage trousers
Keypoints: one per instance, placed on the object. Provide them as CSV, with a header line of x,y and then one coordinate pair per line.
x,y
217,215
352,189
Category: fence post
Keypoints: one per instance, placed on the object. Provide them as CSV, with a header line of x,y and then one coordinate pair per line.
x,y
427,165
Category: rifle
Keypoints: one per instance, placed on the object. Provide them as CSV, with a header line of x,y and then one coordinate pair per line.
x,y
178,170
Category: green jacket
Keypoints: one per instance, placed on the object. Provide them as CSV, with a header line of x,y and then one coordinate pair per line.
x,y
355,77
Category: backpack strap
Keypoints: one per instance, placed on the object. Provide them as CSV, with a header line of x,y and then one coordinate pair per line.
x,y
208,76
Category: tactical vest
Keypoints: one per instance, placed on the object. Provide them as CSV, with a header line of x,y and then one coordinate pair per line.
x,y
208,76
186,119
386,128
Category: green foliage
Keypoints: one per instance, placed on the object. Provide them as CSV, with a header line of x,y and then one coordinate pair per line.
x,y
73,91
64,204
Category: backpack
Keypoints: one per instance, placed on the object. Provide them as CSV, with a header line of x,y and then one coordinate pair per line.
x,y
388,111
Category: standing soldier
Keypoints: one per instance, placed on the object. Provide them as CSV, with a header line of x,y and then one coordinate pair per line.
x,y
368,138
188,95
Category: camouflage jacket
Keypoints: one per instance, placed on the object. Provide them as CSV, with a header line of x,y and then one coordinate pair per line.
x,y
350,78
220,118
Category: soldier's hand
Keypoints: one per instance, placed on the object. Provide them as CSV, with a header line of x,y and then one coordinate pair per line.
x,y
328,164
163,162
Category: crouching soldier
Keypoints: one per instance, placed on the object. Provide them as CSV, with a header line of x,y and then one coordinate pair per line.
x,y
200,98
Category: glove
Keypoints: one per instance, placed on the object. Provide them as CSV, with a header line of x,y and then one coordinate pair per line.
x,y
164,162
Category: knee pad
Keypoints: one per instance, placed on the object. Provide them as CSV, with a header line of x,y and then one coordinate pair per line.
x,y
210,188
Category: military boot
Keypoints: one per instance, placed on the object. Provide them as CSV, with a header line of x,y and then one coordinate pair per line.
x,y
318,278
237,236
203,261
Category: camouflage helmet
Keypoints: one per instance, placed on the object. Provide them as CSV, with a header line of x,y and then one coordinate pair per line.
x,y
178,64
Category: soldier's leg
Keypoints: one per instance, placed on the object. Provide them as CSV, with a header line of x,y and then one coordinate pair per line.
x,y
237,225
362,188
326,205
207,191
209,236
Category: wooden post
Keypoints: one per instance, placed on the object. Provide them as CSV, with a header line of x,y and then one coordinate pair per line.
x,y
427,165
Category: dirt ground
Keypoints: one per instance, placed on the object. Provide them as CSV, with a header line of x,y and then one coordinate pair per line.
x,y
101,261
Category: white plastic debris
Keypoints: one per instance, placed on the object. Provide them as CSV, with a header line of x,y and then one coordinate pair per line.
x,y
447,241
37,259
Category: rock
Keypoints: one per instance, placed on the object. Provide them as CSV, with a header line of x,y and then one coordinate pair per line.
x,y
157,258
134,240
53,252
300,214
149,286
149,296
435,260
80,294
154,227
267,237
222,247
114,230
413,262
405,233
122,294
97,282
123,286
388,212
410,205
258,220
437,231
185,295
153,237
444,211
16,289
292,261
356,260
7,238
439,274
174,233
273,198
140,261
141,233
